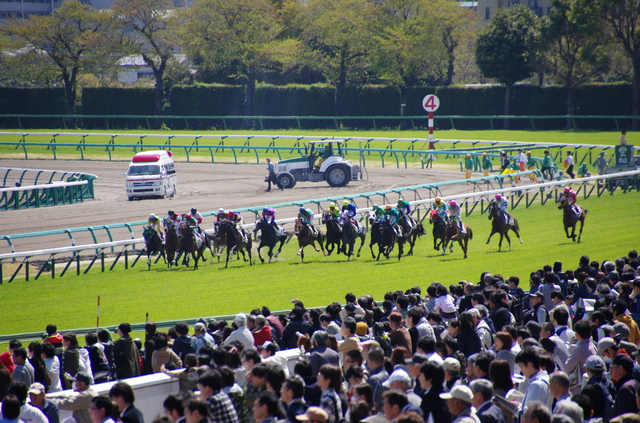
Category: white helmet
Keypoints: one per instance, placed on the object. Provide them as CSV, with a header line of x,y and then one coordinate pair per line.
x,y
152,216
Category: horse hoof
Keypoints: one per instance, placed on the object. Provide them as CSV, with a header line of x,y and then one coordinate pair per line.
x,y
487,243
261,259
442,253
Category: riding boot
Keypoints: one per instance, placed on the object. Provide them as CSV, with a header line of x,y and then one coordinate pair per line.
x,y
461,226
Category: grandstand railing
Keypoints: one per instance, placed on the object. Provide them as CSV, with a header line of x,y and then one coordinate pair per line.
x,y
625,181
56,188
335,121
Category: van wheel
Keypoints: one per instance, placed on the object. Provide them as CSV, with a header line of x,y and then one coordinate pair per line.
x,y
130,198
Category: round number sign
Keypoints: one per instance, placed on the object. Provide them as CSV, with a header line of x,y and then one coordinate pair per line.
x,y
430,103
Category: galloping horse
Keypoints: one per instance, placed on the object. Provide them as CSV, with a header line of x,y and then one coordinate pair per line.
x,y
452,233
439,226
233,240
153,244
500,226
411,232
350,234
305,237
269,238
571,219
192,244
333,237
389,239
172,243
376,233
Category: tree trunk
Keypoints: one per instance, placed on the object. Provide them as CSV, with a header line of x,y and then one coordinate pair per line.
x,y
571,102
158,95
248,99
507,95
70,96
342,81
635,92
403,104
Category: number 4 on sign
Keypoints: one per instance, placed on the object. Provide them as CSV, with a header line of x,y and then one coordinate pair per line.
x,y
430,103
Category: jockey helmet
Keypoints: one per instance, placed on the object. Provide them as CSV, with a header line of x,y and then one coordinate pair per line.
x,y
332,205
438,200
375,206
345,203
468,156
567,189
528,153
388,207
153,216
221,211
453,203
498,197
265,210
302,210
232,214
171,212
484,154
194,211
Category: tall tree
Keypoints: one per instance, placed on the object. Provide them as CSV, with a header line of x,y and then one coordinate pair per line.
x,y
241,35
624,18
338,35
73,38
575,36
507,48
148,29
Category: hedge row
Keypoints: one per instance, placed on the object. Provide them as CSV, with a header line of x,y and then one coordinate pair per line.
x,y
318,100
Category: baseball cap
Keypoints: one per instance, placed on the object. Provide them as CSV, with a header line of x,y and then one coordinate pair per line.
x,y
605,343
395,317
460,392
124,328
313,413
241,319
199,326
614,276
621,329
537,294
451,364
623,361
350,307
595,362
37,388
398,376
83,377
607,329
269,346
416,359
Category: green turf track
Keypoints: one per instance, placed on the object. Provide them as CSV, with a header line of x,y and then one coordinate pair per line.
x,y
569,137
610,232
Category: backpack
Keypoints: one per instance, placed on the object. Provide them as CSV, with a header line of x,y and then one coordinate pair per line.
x,y
608,402
515,307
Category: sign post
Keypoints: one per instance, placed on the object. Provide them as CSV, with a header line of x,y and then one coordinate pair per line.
x,y
430,104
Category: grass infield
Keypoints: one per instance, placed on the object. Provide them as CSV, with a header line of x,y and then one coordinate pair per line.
x,y
127,295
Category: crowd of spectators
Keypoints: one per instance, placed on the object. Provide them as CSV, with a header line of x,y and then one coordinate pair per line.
x,y
485,352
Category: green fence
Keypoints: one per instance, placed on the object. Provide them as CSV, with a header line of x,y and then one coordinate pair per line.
x,y
443,122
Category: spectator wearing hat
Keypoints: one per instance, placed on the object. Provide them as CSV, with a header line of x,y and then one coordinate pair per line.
x,y
37,399
401,381
459,399
622,337
394,403
122,396
538,312
28,413
268,352
598,388
451,367
125,353
399,335
201,337
79,401
313,415
243,334
537,386
620,314
101,410
377,373
321,354
626,385
486,411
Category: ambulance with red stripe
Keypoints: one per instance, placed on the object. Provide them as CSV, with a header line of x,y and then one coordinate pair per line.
x,y
152,174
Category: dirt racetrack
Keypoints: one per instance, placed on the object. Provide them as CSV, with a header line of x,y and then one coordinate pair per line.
x,y
207,187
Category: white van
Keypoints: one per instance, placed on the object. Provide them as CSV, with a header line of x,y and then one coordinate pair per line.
x,y
152,174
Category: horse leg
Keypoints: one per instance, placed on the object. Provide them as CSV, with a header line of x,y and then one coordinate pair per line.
x,y
149,260
489,239
270,253
463,245
280,248
400,249
506,235
195,255
581,226
260,256
362,238
226,264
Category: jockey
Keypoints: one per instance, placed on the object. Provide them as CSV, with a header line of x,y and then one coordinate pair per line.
x,y
306,216
269,217
454,213
391,217
235,217
197,215
503,204
379,211
571,198
154,223
404,209
334,211
350,211
221,215
174,218
440,207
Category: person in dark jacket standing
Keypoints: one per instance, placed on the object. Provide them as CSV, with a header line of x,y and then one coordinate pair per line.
x,y
538,312
627,386
468,341
499,314
431,381
125,353
296,324
150,338
182,344
486,411
122,395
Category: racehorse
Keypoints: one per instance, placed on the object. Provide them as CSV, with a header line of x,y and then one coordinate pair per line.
x,y
452,233
439,226
269,238
376,233
305,237
571,219
411,232
333,237
389,239
191,243
500,226
234,241
172,243
350,234
153,244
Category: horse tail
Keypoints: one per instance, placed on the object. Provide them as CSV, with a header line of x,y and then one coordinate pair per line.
x,y
421,230
470,232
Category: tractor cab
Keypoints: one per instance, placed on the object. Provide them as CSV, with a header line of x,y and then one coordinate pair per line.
x,y
320,151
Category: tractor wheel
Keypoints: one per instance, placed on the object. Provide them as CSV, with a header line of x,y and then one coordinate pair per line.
x,y
338,175
286,180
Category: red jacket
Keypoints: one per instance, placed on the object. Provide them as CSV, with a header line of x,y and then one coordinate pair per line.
x,y
262,336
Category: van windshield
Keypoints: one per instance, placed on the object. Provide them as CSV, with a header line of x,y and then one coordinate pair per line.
x,y
144,170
